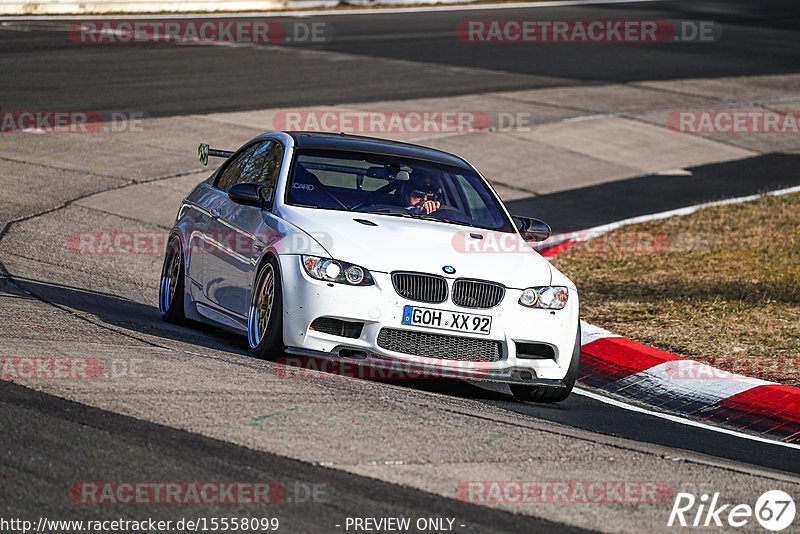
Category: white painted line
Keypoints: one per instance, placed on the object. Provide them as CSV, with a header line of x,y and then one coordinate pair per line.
x,y
325,13
605,228
681,420
589,117
675,172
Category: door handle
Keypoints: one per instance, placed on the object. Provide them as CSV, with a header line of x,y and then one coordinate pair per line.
x,y
214,213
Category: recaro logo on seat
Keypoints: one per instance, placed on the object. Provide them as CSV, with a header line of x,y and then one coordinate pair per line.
x,y
307,187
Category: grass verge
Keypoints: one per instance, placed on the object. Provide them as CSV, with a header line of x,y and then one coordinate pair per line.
x,y
721,286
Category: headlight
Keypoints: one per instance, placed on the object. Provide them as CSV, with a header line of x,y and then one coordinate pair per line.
x,y
529,297
550,298
329,270
354,274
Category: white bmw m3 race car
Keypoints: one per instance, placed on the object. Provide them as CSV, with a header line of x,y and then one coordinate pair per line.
x,y
360,249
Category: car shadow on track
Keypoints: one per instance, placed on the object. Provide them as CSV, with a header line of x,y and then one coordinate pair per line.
x,y
452,388
138,318
123,313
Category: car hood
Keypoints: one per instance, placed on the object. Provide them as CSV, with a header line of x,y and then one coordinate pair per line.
x,y
391,243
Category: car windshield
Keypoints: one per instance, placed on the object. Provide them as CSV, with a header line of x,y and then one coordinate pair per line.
x,y
370,183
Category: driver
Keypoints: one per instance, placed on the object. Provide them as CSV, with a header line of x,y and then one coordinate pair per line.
x,y
420,194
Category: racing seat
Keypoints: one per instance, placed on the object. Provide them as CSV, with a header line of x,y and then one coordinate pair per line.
x,y
307,189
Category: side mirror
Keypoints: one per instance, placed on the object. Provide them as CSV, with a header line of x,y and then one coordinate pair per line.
x,y
532,230
249,194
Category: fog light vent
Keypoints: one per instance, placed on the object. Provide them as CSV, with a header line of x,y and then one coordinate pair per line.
x,y
337,327
535,351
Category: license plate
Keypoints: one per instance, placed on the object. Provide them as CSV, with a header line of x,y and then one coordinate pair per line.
x,y
447,320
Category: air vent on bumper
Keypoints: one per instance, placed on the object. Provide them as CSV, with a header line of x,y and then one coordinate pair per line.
x,y
535,351
440,346
337,327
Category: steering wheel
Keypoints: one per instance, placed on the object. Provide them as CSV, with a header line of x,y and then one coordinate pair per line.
x,y
449,213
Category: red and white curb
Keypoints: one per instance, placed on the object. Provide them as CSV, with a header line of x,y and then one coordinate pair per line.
x,y
672,384
666,382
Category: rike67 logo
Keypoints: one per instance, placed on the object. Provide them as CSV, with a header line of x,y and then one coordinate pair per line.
x,y
774,510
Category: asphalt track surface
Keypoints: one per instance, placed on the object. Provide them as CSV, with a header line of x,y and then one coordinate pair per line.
x,y
592,206
51,72
49,442
103,443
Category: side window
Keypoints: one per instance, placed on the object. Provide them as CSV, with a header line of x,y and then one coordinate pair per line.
x,y
231,173
264,166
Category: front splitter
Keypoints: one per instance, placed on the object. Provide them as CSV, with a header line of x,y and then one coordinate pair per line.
x,y
361,366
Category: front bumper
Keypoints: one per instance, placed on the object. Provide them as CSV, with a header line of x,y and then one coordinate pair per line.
x,y
395,369
379,306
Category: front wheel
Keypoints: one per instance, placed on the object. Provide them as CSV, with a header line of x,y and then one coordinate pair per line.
x,y
548,394
170,290
265,317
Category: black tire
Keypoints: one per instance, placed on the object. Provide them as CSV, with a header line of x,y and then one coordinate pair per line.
x,y
265,316
548,394
170,289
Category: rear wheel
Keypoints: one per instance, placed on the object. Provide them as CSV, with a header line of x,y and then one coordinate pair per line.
x,y
170,290
265,317
549,394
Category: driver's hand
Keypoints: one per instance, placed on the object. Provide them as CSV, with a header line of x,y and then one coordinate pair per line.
x,y
428,206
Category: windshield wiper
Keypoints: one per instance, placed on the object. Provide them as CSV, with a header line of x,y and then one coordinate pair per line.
x,y
439,219
424,217
390,213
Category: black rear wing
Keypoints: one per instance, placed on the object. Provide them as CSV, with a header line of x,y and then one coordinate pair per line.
x,y
203,152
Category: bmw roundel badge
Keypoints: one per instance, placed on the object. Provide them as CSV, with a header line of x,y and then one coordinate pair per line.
x,y
448,269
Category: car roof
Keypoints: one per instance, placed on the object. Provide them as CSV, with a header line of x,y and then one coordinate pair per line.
x,y
373,145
